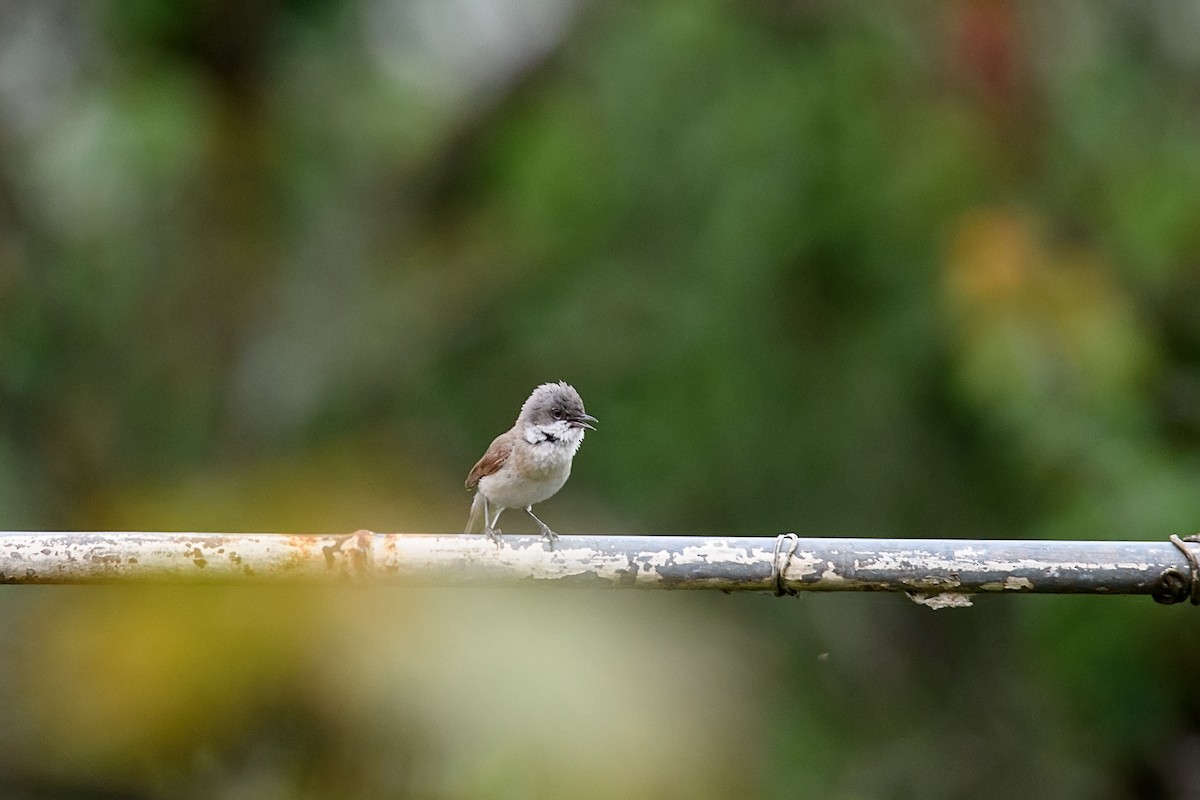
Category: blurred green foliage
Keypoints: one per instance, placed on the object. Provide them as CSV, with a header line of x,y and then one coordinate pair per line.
x,y
841,268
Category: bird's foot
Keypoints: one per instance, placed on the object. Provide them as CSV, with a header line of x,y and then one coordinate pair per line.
x,y
549,535
494,535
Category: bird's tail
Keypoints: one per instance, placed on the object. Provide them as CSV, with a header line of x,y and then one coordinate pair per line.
x,y
476,512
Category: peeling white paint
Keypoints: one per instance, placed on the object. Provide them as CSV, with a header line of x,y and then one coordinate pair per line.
x,y
658,559
716,550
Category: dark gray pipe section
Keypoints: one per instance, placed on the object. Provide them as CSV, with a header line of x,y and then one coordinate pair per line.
x,y
928,569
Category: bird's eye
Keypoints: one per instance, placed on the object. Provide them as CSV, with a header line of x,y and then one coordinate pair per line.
x,y
556,413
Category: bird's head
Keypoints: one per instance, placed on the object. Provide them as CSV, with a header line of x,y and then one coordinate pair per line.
x,y
556,406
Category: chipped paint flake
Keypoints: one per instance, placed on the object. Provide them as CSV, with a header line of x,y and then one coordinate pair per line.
x,y
941,600
830,574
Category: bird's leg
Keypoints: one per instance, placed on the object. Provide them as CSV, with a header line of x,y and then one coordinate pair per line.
x,y
489,524
547,534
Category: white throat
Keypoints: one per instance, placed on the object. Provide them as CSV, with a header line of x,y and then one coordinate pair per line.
x,y
559,434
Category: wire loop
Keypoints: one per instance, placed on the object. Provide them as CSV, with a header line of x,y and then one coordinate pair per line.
x,y
778,569
1174,585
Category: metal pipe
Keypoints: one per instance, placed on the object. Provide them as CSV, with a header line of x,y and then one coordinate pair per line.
x,y
937,572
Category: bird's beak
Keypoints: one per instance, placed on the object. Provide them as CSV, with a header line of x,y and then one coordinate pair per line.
x,y
584,422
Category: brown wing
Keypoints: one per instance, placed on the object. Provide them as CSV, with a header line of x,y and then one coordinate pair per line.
x,y
492,460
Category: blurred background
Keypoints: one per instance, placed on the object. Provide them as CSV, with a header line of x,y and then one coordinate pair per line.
x,y
843,268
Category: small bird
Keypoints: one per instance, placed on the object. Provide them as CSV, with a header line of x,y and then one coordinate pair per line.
x,y
532,460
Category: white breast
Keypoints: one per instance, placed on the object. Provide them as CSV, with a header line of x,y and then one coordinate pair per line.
x,y
537,468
